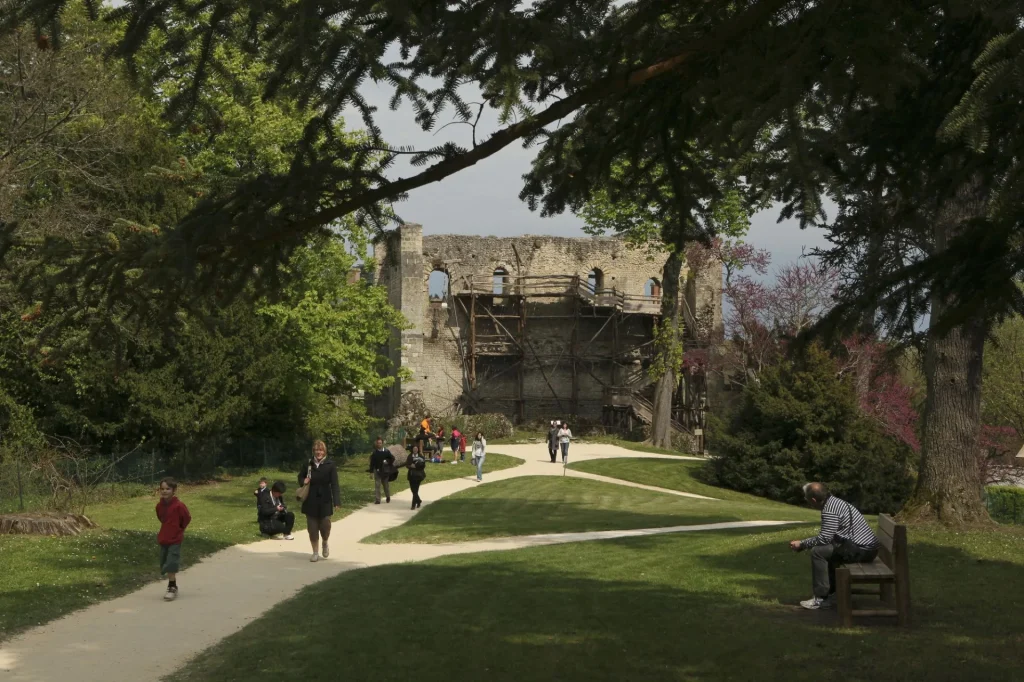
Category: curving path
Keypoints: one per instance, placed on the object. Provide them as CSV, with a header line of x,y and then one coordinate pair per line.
x,y
139,637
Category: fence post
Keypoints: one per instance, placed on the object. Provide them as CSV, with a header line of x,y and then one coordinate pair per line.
x,y
21,498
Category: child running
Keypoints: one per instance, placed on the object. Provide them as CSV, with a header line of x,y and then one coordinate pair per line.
x,y
174,519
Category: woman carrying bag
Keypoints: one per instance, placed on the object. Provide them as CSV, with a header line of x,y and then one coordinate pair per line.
x,y
417,465
479,453
320,496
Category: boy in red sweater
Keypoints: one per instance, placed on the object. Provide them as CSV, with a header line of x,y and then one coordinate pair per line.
x,y
174,519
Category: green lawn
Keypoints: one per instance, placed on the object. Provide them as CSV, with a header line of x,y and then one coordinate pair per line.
x,y
697,607
42,578
663,473
547,504
632,445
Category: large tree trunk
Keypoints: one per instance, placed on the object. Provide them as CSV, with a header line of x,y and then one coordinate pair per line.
x,y
668,348
949,485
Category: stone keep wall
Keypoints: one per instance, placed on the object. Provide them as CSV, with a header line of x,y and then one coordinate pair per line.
x,y
430,349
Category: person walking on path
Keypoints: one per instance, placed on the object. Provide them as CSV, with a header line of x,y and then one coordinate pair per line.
x,y
174,519
275,518
456,436
321,475
845,538
417,465
564,438
479,453
553,441
382,464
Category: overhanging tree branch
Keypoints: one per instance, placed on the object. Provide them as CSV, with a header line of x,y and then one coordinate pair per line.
x,y
609,87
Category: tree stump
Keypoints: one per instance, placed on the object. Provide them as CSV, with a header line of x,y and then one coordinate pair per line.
x,y
44,524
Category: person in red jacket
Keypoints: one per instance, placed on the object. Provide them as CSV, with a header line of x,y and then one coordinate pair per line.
x,y
174,519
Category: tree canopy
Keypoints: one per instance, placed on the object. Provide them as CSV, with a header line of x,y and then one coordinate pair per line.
x,y
73,363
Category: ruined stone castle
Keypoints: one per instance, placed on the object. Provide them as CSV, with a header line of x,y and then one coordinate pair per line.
x,y
535,327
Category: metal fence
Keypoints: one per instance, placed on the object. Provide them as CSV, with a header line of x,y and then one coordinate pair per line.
x,y
27,485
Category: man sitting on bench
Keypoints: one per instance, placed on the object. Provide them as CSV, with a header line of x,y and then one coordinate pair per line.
x,y
845,538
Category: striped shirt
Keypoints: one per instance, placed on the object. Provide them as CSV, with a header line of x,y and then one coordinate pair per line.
x,y
840,519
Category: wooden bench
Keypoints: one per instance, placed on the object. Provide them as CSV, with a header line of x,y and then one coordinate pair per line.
x,y
890,571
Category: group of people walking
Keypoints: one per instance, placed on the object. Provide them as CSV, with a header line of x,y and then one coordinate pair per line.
x,y
845,536
559,436
321,495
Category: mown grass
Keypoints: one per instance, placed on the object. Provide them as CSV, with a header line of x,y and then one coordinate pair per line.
x,y
42,578
699,606
547,504
663,473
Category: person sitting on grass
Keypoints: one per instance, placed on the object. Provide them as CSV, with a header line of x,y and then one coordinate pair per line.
x,y
275,518
845,538
174,519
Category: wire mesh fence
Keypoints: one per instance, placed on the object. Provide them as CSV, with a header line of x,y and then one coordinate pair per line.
x,y
33,481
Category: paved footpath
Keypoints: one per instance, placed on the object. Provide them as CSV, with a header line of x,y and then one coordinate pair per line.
x,y
139,637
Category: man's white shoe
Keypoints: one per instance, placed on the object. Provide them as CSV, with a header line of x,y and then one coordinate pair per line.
x,y
326,550
289,537
315,558
816,603
171,595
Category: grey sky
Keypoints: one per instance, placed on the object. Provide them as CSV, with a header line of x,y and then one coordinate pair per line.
x,y
484,199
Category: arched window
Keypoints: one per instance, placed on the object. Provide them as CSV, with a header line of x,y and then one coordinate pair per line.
x,y
500,281
652,288
596,280
438,285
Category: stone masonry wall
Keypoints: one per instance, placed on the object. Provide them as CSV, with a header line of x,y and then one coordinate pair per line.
x,y
431,349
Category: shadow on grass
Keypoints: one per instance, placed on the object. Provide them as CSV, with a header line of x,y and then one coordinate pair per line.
x,y
468,518
46,578
680,608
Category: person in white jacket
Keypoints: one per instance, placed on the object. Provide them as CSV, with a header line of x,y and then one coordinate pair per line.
x,y
564,438
479,452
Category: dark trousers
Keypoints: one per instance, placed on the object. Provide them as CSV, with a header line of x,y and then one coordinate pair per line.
x,y
414,486
825,558
281,522
553,450
285,521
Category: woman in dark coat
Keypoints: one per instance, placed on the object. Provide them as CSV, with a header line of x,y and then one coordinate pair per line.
x,y
324,497
417,464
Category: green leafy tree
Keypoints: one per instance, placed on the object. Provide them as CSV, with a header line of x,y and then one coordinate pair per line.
x,y
1002,392
534,63
801,423
643,208
289,364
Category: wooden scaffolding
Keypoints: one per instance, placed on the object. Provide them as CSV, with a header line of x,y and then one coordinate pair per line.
x,y
494,315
